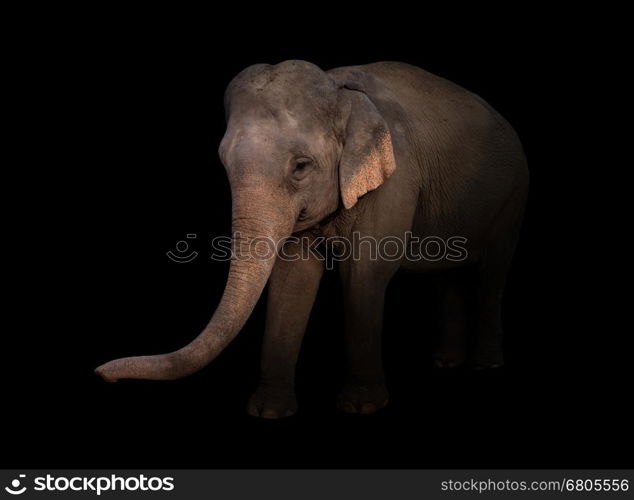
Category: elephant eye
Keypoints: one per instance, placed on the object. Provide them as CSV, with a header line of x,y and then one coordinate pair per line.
x,y
301,168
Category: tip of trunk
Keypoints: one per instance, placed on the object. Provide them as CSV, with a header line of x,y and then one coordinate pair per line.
x,y
106,372
160,367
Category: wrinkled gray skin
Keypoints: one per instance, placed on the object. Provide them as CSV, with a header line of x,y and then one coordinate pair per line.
x,y
381,149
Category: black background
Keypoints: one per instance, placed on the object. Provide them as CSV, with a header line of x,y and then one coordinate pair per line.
x,y
131,110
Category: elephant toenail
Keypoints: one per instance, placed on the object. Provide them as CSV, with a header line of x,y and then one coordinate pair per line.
x,y
368,408
349,408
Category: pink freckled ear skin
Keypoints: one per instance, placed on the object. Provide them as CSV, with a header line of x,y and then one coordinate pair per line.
x,y
367,160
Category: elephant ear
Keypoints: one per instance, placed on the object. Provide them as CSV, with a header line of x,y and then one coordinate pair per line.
x,y
367,159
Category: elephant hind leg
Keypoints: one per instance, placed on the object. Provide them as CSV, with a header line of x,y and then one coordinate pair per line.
x,y
487,348
452,345
493,270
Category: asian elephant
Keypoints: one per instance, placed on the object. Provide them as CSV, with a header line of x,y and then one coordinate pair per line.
x,y
383,150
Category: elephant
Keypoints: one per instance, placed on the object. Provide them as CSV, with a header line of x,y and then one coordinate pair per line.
x,y
382,150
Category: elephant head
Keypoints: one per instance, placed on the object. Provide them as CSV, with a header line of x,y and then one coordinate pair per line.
x,y
298,145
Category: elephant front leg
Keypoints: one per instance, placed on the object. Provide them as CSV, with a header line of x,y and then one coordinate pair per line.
x,y
364,295
293,287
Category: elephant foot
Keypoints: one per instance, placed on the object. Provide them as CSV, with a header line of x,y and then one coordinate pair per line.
x,y
487,357
272,403
448,357
445,363
364,398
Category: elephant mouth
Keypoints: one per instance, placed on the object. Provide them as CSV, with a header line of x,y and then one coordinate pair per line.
x,y
304,221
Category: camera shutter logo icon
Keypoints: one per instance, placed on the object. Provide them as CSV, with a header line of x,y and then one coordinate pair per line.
x,y
15,489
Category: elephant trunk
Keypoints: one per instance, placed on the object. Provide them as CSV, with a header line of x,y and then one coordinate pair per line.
x,y
247,277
